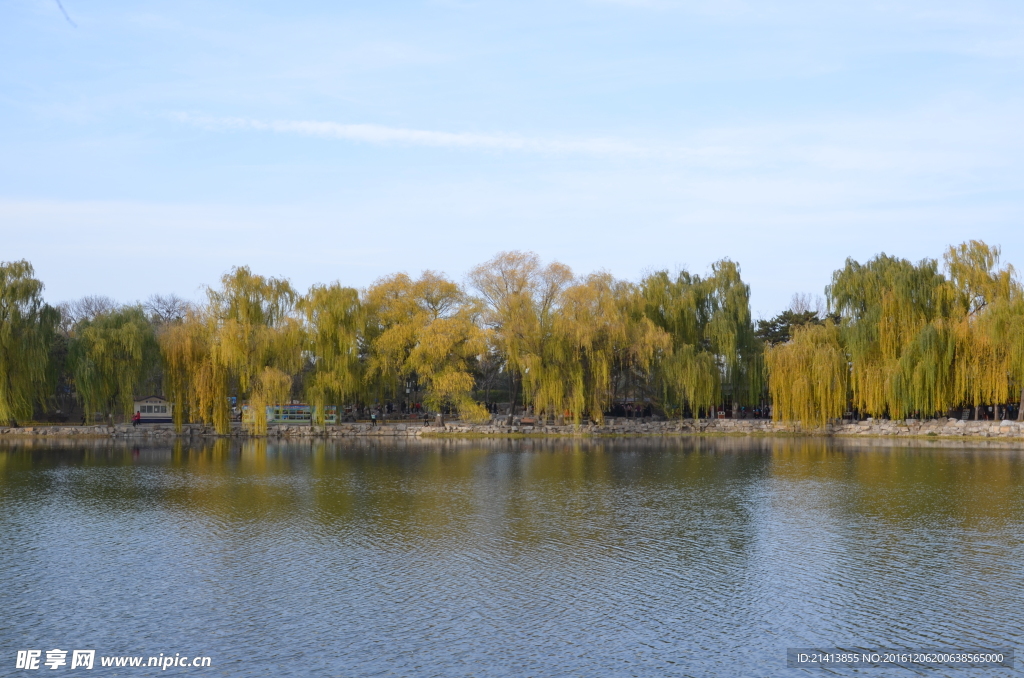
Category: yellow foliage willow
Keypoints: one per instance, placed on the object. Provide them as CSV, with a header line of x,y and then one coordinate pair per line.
x,y
246,339
921,342
334,317
809,376
567,338
427,329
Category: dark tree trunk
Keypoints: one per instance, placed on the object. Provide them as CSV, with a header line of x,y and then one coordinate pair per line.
x,y
512,404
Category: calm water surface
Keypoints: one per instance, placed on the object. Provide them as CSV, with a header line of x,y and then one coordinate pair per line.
x,y
662,557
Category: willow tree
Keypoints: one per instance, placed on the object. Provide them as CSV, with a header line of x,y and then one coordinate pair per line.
x,y
246,339
568,339
27,328
1008,327
195,381
333,324
110,356
427,329
521,299
897,330
808,376
712,338
920,341
599,332
987,309
1004,325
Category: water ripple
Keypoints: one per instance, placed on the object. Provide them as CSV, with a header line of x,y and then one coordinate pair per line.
x,y
516,558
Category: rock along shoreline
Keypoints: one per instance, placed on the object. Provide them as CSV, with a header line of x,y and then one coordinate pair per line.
x,y
940,428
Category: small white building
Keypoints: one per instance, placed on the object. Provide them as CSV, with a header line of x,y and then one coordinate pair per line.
x,y
154,410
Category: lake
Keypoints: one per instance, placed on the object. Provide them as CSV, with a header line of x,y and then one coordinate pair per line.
x,y
618,557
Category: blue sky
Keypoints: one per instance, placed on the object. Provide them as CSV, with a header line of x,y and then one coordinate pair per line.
x,y
154,145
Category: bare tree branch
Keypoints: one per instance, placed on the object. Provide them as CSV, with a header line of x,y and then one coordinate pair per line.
x,y
65,13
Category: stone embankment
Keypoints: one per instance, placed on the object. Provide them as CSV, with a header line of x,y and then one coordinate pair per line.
x,y
945,428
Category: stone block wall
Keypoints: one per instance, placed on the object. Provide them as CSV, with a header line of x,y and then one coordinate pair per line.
x,y
945,428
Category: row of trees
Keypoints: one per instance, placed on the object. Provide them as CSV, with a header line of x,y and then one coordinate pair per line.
x,y
908,339
567,345
903,338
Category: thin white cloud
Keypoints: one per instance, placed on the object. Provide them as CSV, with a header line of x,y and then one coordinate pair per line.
x,y
383,135
935,139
